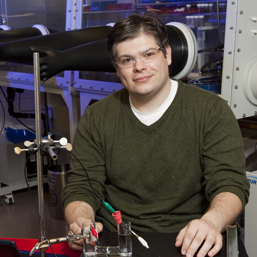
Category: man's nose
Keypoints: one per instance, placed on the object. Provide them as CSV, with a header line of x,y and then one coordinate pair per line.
x,y
139,64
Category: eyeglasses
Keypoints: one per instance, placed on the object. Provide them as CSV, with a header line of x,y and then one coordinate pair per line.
x,y
146,56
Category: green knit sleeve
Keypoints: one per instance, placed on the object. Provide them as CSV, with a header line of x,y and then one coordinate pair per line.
x,y
222,153
88,150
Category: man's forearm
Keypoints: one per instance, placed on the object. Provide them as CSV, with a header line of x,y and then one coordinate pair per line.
x,y
223,211
78,209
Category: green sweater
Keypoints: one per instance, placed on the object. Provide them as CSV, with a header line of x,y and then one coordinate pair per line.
x,y
161,176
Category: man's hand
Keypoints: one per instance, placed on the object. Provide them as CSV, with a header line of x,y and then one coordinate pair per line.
x,y
75,228
76,214
224,209
194,234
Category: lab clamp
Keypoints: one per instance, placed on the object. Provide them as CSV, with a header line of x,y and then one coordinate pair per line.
x,y
87,233
46,146
91,245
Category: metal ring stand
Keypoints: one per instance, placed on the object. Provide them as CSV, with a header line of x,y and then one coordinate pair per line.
x,y
36,65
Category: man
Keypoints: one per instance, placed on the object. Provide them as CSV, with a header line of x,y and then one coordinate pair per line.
x,y
169,156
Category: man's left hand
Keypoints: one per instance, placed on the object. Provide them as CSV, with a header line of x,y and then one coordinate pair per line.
x,y
199,234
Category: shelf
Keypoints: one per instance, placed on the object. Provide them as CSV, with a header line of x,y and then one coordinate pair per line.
x,y
184,14
112,11
183,3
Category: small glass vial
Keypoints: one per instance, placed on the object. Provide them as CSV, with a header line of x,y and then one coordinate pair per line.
x,y
206,8
200,21
195,21
199,8
190,21
211,8
124,238
188,7
202,8
222,7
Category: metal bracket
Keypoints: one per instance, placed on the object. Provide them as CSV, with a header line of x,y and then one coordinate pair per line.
x,y
232,244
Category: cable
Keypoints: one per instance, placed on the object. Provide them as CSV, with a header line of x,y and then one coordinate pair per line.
x,y
3,94
17,117
212,49
143,242
93,190
25,125
153,252
38,214
105,252
204,67
109,207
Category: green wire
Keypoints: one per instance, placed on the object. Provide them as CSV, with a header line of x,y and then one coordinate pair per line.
x,y
108,206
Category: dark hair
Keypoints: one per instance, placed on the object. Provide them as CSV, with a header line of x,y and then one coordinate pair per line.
x,y
134,25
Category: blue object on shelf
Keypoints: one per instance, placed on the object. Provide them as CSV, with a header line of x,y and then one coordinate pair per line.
x,y
19,135
101,6
148,1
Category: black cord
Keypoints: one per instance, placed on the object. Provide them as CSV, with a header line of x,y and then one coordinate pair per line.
x,y
3,117
16,117
93,190
153,252
38,214
4,94
89,181
214,48
25,125
105,252
203,69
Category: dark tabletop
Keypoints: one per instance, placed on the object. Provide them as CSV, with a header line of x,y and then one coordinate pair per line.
x,y
161,243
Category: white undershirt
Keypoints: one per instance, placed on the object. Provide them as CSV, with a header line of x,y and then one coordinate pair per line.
x,y
150,118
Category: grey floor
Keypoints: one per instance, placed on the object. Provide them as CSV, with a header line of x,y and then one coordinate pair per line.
x,y
20,220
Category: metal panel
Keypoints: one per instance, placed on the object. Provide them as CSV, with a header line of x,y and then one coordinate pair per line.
x,y
229,54
240,58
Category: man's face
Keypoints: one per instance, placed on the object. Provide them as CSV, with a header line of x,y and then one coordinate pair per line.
x,y
143,79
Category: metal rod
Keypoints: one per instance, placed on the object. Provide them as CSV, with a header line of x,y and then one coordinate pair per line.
x,y
218,26
232,245
38,142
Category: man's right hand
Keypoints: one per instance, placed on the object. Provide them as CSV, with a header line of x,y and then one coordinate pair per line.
x,y
75,228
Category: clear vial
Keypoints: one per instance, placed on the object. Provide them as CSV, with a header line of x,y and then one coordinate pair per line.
x,y
211,8
188,7
206,8
195,21
222,7
188,20
200,20
202,8
124,239
199,7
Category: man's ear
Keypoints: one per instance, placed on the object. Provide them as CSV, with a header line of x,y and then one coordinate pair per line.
x,y
168,54
116,68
